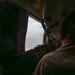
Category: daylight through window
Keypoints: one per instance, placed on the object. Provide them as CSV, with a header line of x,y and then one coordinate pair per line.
x,y
34,35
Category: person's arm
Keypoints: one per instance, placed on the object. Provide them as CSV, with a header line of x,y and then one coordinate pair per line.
x,y
49,65
45,67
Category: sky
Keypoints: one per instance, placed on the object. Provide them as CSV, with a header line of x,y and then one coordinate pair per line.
x,y
34,35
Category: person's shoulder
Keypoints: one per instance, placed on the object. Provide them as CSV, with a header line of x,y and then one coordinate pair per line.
x,y
54,57
53,54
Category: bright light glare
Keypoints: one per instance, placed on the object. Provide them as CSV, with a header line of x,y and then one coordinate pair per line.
x,y
34,35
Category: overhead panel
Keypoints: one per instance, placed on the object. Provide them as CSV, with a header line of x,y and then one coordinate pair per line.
x,y
31,5
35,6
22,3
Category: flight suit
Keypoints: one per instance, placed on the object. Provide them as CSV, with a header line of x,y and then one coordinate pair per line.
x,y
59,62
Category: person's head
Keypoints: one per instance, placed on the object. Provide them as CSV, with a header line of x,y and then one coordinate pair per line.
x,y
58,11
68,27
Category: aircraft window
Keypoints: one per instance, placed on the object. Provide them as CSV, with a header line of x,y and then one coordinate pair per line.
x,y
34,35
